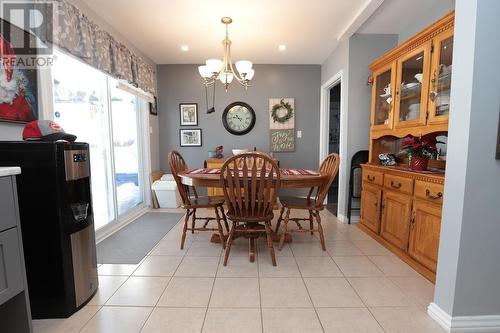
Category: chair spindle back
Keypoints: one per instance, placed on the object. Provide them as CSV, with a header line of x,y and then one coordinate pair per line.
x,y
329,168
177,165
250,182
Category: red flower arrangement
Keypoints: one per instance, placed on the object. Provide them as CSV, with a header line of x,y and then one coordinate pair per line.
x,y
420,149
424,146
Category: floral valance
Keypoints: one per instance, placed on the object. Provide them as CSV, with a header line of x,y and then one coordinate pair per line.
x,y
78,35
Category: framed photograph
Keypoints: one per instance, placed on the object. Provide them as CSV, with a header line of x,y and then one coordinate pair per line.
x,y
18,85
497,156
189,114
190,137
153,107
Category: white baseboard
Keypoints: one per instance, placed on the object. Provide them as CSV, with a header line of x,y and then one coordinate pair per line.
x,y
342,218
464,324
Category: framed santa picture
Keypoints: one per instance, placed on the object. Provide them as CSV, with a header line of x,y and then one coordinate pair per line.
x,y
18,82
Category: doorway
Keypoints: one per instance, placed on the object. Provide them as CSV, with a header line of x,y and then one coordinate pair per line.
x,y
334,143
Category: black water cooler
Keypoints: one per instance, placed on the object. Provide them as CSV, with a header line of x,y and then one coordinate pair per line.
x,y
57,224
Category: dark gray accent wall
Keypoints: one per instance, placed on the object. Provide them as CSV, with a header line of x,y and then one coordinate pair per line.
x,y
182,84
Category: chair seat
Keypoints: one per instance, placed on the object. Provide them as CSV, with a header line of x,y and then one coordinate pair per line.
x,y
204,202
299,203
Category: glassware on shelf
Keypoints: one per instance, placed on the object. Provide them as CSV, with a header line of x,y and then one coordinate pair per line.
x,y
411,87
443,85
383,98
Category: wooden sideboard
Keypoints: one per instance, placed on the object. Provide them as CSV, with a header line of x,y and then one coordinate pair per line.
x,y
214,163
401,208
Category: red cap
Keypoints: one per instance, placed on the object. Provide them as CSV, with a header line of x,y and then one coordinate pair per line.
x,y
46,130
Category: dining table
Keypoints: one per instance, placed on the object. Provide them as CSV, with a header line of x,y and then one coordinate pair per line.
x,y
289,179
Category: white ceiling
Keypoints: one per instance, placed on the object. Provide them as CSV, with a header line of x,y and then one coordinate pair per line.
x,y
309,28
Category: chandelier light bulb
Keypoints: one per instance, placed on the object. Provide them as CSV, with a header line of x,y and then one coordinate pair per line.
x,y
226,77
243,66
214,65
222,70
204,72
250,74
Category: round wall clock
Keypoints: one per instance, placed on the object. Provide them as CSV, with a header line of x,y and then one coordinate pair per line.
x,y
238,118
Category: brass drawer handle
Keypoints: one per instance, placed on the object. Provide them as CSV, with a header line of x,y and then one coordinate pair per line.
x,y
370,178
396,186
430,196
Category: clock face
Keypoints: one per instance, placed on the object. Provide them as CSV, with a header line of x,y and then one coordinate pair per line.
x,y
238,118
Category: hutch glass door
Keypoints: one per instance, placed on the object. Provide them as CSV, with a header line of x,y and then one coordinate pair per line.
x,y
382,97
439,96
411,103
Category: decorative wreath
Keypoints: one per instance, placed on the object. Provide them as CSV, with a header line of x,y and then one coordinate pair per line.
x,y
282,105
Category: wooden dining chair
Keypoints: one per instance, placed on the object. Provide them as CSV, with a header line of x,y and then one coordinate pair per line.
x,y
191,202
250,182
313,203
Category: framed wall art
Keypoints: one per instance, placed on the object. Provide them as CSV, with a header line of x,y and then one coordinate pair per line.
x,y
497,156
282,124
18,86
190,137
153,107
188,114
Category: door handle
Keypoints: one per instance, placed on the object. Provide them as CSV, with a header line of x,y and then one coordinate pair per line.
x,y
431,196
396,186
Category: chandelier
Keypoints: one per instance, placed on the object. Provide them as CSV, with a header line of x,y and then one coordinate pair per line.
x,y
215,69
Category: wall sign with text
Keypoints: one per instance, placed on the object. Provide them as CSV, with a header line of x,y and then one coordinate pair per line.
x,y
282,124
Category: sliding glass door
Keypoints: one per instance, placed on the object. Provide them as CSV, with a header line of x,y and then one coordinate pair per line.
x,y
126,149
88,103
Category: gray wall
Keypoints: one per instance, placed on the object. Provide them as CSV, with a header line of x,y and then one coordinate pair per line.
x,y
468,273
182,84
352,58
336,62
417,23
363,49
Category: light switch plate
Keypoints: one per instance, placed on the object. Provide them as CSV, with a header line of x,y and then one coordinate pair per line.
x,y
299,134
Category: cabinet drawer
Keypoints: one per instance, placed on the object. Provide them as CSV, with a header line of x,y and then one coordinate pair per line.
x,y
429,191
399,184
373,177
7,206
11,276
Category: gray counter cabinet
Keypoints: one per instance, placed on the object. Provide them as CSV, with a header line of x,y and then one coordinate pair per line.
x,y
15,315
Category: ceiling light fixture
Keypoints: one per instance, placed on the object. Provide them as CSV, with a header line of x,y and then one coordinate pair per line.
x,y
185,48
282,47
215,69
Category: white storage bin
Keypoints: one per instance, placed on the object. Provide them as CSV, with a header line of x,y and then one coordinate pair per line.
x,y
166,192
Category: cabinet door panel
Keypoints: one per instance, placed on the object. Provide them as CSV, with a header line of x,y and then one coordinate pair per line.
x,y
7,204
412,87
370,207
383,97
11,274
440,86
396,218
424,233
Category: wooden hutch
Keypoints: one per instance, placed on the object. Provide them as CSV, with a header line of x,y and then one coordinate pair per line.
x,y
401,208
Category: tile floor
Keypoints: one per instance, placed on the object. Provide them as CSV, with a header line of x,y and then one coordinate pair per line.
x,y
355,286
